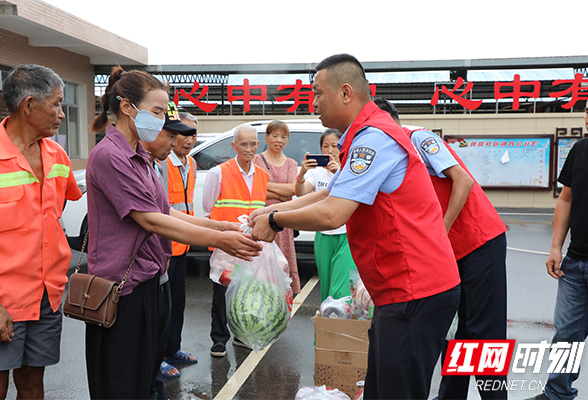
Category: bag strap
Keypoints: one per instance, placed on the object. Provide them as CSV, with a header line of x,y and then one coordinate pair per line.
x,y
81,253
268,167
122,281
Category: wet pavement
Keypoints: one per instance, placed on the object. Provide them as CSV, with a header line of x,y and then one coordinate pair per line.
x,y
278,372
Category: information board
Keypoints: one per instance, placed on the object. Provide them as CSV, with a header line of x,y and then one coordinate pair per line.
x,y
564,145
508,162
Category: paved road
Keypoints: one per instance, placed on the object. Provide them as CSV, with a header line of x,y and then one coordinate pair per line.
x,y
289,363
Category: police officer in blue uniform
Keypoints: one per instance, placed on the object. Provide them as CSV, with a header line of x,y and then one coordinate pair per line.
x,y
477,236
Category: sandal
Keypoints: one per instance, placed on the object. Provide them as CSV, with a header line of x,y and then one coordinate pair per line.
x,y
182,358
165,369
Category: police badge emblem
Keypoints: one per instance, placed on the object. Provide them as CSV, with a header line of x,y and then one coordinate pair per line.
x,y
361,159
430,145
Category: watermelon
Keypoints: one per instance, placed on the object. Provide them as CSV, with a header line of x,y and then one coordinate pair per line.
x,y
258,312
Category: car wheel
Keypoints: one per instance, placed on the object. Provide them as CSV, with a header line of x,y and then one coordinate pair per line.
x,y
76,242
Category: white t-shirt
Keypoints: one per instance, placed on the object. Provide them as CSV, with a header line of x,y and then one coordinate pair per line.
x,y
319,178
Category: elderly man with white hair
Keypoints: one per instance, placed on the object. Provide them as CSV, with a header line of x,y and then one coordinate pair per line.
x,y
231,189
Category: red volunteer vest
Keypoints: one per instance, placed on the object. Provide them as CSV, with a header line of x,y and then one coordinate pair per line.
x,y
399,243
180,198
477,223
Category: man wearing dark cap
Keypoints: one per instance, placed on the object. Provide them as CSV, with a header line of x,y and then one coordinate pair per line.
x,y
165,142
158,151
179,175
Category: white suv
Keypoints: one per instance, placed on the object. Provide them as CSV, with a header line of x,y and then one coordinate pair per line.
x,y
216,149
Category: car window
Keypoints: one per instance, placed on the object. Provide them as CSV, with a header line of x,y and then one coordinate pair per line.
x,y
300,143
215,154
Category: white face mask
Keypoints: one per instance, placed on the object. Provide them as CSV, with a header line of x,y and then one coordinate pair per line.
x,y
148,125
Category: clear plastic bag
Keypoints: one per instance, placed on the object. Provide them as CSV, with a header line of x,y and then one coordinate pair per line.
x,y
259,299
320,393
222,264
336,308
362,306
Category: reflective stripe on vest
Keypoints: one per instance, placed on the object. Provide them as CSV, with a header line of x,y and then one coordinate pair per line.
x,y
59,170
18,178
235,203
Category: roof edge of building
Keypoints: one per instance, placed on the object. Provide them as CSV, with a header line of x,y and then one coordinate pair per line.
x,y
67,31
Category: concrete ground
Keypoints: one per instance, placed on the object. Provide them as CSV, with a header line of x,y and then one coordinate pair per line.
x,y
288,364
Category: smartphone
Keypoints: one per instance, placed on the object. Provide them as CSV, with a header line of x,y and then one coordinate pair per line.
x,y
321,159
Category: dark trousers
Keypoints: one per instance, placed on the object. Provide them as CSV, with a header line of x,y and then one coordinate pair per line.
x,y
121,361
162,333
405,343
177,282
482,311
219,332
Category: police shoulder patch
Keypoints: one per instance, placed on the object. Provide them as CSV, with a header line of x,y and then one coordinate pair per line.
x,y
430,145
361,159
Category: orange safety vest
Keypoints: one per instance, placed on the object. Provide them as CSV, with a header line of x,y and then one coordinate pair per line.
x,y
234,199
180,198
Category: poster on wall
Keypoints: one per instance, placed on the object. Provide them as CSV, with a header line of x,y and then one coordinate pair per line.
x,y
564,145
509,162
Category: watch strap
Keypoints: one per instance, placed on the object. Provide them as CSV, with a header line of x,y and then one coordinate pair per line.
x,y
272,222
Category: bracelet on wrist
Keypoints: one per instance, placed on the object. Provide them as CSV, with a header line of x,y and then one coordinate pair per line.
x,y
298,180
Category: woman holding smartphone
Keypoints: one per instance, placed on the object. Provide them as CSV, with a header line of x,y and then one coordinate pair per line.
x,y
331,248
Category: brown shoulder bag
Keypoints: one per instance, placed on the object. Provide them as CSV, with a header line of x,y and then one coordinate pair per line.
x,y
93,299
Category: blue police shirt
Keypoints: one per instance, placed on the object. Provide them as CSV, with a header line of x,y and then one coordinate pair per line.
x,y
434,152
375,163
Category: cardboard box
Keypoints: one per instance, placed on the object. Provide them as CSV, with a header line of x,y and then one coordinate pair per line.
x,y
341,351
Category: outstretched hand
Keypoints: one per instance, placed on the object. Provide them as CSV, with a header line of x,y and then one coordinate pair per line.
x,y
229,226
240,245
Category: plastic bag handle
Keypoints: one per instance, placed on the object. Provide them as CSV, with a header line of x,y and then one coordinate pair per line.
x,y
244,224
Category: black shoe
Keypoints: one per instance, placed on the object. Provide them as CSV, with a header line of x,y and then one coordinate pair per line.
x,y
218,350
239,343
541,396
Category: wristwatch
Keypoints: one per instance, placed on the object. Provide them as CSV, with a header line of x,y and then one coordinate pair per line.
x,y
272,222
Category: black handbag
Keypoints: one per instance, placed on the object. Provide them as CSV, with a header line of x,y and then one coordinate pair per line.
x,y
93,299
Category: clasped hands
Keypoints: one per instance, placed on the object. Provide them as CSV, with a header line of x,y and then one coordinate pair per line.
x,y
259,221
